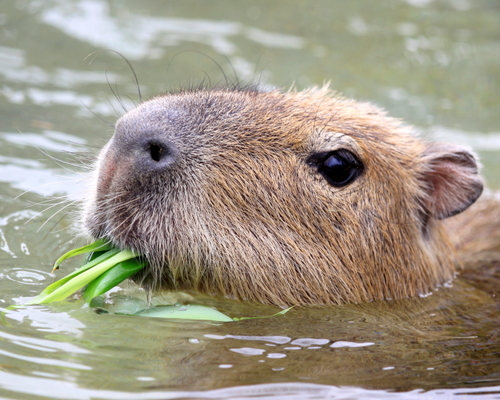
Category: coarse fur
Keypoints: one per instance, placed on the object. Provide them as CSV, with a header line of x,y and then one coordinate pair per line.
x,y
219,189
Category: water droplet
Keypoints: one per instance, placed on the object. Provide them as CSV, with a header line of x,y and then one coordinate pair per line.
x,y
350,344
249,351
306,342
217,337
145,378
276,355
24,248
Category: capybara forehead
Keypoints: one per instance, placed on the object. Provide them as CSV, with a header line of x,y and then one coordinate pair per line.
x,y
224,117
253,122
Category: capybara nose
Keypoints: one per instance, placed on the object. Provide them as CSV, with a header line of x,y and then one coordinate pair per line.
x,y
155,154
125,157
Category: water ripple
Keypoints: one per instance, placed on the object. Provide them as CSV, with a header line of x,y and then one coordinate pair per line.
x,y
25,276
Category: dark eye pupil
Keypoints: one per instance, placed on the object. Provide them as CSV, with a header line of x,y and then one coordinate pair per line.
x,y
340,168
337,168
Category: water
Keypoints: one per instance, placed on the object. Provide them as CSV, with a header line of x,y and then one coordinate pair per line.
x,y
433,63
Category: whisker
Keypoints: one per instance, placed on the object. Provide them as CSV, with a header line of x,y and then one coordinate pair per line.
x,y
118,97
98,116
47,204
234,71
226,79
54,214
42,202
120,225
112,105
53,226
95,53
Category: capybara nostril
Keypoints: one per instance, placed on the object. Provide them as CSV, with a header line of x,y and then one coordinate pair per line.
x,y
157,152
155,155
161,152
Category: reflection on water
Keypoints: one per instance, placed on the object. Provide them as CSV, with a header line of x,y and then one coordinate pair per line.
x,y
139,37
448,340
292,391
433,62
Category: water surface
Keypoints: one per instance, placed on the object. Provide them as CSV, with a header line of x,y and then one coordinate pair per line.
x,y
433,63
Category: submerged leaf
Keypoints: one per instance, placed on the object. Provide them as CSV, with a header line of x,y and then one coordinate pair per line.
x,y
184,312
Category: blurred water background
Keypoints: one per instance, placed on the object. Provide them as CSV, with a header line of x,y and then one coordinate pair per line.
x,y
434,63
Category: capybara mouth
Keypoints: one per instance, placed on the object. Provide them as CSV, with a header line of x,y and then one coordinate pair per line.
x,y
281,198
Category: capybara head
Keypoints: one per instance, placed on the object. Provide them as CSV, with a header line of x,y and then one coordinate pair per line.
x,y
282,198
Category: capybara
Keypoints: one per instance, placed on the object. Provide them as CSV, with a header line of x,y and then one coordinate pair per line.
x,y
287,198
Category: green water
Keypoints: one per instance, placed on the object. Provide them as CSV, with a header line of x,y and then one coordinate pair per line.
x,y
435,63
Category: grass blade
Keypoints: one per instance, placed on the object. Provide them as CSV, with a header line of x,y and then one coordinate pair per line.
x,y
81,279
106,267
49,289
98,245
112,277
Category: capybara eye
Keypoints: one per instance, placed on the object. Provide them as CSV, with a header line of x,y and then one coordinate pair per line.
x,y
340,167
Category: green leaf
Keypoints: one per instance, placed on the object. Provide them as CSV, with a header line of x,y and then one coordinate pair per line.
x,y
194,312
112,277
49,289
106,267
184,312
85,275
92,256
98,245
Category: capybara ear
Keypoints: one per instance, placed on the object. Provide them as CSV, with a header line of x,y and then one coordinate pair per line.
x,y
451,178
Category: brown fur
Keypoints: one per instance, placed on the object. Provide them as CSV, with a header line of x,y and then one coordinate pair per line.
x,y
241,212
